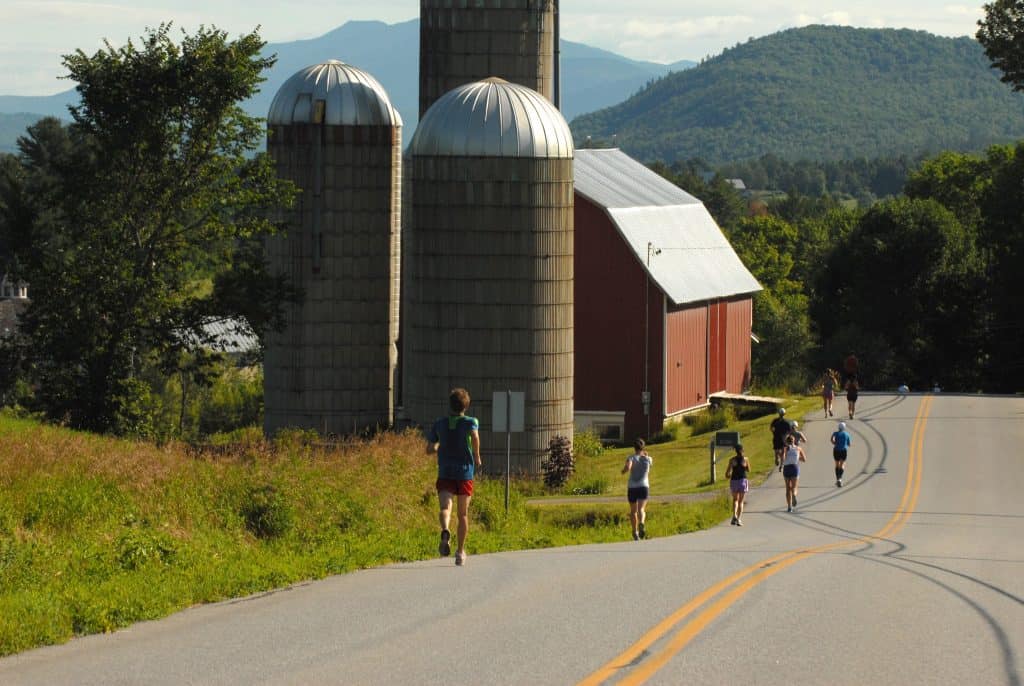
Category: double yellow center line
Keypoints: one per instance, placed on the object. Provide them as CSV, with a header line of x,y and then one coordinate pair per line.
x,y
715,600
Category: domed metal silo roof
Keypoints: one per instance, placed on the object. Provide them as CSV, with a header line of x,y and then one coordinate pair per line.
x,y
351,97
493,118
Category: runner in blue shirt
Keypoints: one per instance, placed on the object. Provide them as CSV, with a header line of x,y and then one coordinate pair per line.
x,y
841,441
456,440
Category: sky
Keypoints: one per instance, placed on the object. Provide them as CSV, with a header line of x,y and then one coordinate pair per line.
x,y
35,33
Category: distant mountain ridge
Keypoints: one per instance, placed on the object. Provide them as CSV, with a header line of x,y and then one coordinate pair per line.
x,y
591,78
819,93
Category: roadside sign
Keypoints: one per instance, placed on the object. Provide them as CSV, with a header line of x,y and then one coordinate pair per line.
x,y
727,439
508,411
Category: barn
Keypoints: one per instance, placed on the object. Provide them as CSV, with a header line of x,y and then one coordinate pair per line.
x,y
663,305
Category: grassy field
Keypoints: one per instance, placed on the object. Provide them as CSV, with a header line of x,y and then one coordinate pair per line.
x,y
97,533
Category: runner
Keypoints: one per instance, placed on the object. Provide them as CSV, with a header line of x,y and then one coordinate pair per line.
x,y
797,434
780,428
638,489
841,441
828,392
791,470
736,472
456,440
852,389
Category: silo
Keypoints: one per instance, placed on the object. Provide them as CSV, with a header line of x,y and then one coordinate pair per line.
x,y
489,264
334,132
462,41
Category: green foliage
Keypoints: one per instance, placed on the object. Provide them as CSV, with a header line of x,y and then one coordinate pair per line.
x,y
266,511
123,219
819,93
586,444
863,179
559,464
594,486
905,283
714,419
1001,33
669,432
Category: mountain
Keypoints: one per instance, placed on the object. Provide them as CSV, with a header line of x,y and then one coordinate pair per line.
x,y
591,78
820,93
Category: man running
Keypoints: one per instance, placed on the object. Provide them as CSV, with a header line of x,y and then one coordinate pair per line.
x,y
456,440
841,441
780,428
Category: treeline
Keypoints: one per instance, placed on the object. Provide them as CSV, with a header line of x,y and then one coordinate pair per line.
x,y
861,179
921,286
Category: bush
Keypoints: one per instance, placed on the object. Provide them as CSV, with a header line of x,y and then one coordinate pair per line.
x,y
668,433
560,464
587,443
266,512
710,420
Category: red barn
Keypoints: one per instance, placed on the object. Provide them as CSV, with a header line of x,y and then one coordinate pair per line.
x,y
663,305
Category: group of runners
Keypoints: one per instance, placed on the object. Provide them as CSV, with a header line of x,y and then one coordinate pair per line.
x,y
455,439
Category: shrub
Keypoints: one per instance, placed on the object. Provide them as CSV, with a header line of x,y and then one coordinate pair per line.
x,y
587,444
668,433
266,512
712,420
559,464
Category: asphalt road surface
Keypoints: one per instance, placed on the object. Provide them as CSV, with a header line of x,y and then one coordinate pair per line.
x,y
911,573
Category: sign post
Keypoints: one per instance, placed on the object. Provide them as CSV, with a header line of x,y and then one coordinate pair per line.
x,y
724,439
508,414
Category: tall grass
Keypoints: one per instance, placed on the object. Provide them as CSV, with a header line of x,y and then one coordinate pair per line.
x,y
97,533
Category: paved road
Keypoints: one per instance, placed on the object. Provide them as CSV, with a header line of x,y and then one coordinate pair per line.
x,y
912,573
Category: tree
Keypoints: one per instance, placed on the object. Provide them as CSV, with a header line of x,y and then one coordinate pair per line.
x,y
1001,33
141,215
767,246
904,291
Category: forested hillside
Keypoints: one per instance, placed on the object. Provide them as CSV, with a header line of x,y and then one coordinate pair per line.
x,y
822,93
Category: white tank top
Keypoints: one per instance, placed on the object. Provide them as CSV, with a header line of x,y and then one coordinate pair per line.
x,y
792,455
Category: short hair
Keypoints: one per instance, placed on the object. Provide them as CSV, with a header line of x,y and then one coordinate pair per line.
x,y
458,400
639,444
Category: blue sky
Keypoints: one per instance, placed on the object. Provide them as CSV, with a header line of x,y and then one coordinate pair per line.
x,y
35,33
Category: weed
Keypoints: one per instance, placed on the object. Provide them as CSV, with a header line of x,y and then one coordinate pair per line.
x,y
267,512
587,444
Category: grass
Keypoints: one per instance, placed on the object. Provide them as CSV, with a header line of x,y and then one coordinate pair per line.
x,y
97,533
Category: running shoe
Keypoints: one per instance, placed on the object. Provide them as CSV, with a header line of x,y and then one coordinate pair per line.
x,y
460,558
789,509
733,522
643,531
444,548
739,522
636,536
839,482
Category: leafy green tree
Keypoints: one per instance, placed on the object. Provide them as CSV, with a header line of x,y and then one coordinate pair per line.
x,y
1001,33
767,246
140,217
987,195
907,282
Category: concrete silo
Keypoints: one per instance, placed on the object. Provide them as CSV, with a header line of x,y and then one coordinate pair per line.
x,y
334,132
489,264
462,41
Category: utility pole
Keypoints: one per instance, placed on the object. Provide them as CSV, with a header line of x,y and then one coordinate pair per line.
x,y
645,396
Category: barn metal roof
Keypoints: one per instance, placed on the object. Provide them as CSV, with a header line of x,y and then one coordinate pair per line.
x,y
670,232
351,97
493,118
